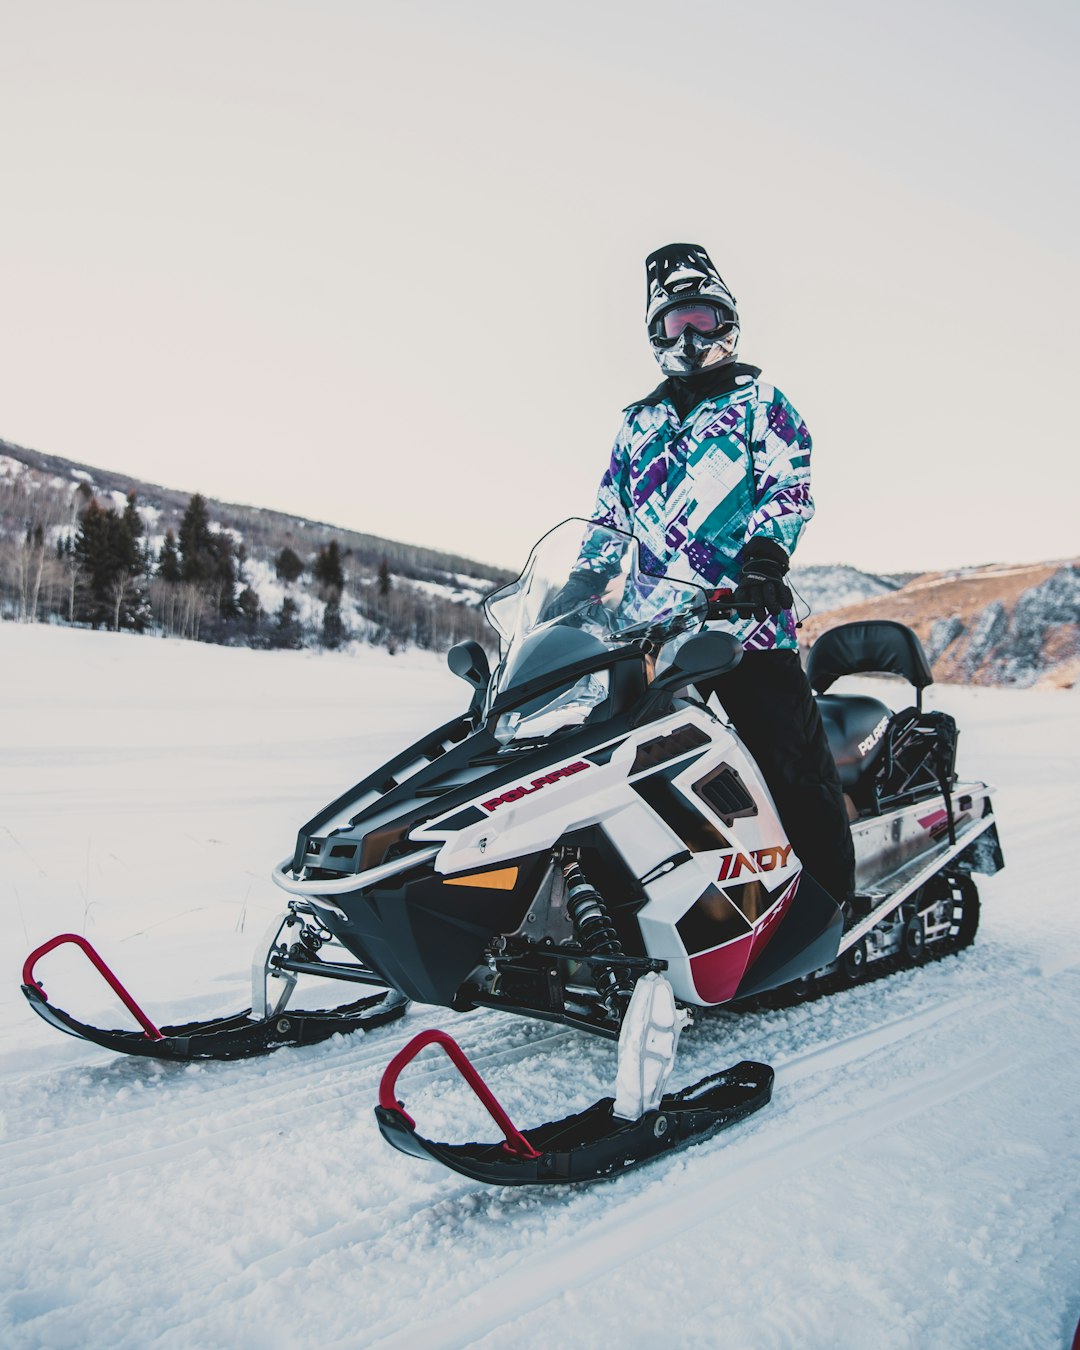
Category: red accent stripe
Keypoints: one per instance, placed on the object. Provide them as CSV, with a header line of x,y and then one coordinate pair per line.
x,y
767,927
110,979
717,974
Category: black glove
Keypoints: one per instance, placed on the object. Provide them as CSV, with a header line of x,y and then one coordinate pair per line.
x,y
761,580
581,586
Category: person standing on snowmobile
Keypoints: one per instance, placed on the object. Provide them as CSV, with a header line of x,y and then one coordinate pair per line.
x,y
711,473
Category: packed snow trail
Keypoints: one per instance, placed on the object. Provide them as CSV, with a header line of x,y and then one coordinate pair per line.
x,y
914,1182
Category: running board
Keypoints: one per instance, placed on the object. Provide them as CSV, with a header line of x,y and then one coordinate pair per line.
x,y
918,878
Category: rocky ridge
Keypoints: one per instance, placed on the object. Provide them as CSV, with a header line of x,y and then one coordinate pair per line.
x,y
1016,625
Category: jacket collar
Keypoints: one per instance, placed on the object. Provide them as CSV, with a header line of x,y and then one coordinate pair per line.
x,y
686,392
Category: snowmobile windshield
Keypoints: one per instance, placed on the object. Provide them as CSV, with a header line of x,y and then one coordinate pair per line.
x,y
583,593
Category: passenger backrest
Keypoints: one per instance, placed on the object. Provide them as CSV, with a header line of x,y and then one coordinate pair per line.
x,y
878,646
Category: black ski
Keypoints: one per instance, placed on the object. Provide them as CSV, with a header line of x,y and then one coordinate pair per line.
x,y
238,1037
583,1147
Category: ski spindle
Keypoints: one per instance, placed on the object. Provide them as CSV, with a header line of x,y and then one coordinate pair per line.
x,y
107,975
515,1141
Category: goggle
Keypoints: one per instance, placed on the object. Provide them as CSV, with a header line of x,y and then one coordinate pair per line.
x,y
701,317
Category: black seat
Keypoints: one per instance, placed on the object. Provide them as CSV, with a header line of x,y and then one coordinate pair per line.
x,y
855,728
855,725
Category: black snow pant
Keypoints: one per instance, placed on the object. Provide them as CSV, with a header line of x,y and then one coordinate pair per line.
x,y
771,706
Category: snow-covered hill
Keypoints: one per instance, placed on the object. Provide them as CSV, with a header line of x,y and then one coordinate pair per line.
x,y
915,1183
388,592
833,586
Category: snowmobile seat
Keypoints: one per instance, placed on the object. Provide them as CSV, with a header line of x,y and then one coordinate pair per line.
x,y
855,728
878,646
860,729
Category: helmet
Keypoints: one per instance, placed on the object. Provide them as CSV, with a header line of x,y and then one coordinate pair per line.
x,y
690,313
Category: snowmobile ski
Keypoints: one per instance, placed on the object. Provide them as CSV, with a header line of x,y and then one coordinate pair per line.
x,y
584,1147
239,1036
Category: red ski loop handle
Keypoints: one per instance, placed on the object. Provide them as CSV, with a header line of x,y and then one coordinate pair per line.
x,y
516,1142
106,974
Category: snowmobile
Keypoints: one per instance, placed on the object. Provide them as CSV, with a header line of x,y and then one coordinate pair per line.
x,y
590,843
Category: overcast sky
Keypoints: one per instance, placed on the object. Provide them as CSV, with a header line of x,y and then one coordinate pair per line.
x,y
382,264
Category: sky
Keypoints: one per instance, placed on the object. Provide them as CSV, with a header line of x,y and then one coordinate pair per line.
x,y
382,265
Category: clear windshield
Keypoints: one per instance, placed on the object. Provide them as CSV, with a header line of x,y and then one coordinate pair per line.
x,y
589,576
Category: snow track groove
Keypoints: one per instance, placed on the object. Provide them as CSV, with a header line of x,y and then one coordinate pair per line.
x,y
754,1160
376,1236
242,1106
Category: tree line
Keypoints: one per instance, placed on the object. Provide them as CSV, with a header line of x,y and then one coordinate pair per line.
x,y
66,557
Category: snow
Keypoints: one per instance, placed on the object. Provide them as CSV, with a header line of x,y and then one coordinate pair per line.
x,y
833,586
462,595
261,575
915,1182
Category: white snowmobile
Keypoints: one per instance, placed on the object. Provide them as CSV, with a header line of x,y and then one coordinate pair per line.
x,y
591,844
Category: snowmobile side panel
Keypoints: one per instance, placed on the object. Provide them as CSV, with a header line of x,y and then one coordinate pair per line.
x,y
808,939
425,933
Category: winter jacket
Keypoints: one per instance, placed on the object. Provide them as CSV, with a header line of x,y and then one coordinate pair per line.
x,y
694,488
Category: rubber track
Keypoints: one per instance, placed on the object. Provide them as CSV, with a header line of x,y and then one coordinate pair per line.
x,y
791,996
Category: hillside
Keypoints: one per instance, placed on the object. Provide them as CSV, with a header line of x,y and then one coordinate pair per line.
x,y
831,587
999,624
389,593
995,625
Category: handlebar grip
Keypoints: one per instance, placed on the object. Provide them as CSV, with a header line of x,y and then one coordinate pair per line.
x,y
722,606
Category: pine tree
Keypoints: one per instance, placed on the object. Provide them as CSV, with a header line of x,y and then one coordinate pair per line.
x,y
110,567
287,631
333,628
168,566
92,553
130,533
288,566
128,585
224,574
207,558
384,577
196,543
328,571
247,603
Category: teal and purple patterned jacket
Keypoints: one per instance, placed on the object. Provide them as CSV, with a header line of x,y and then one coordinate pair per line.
x,y
694,489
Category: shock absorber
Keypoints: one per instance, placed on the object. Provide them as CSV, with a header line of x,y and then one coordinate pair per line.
x,y
593,925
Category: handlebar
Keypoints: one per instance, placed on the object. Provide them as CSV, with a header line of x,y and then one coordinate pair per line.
x,y
721,606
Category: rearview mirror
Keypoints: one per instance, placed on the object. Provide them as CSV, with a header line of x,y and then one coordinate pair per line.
x,y
700,658
469,660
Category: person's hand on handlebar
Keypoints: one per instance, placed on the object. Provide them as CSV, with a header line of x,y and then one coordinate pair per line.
x,y
762,589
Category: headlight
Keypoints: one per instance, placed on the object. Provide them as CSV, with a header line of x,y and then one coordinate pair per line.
x,y
566,709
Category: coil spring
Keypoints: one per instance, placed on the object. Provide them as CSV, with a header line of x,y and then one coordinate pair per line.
x,y
591,919
593,925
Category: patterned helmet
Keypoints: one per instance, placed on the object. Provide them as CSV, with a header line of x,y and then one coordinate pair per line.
x,y
691,316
